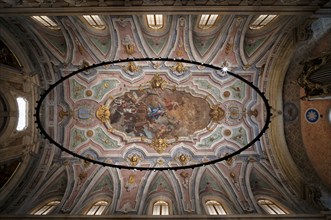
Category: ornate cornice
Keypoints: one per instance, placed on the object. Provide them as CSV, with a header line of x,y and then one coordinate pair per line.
x,y
72,7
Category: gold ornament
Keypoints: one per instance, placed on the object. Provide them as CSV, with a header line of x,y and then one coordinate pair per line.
x,y
183,159
226,94
134,160
229,161
89,133
88,93
103,113
216,113
159,144
227,132
157,82
129,49
132,67
179,67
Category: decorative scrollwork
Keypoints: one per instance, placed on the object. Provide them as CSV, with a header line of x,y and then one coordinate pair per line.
x,y
159,144
103,113
157,82
216,113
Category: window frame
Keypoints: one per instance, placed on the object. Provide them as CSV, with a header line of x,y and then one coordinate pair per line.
x,y
45,21
46,208
163,207
262,21
154,25
97,208
98,24
204,21
270,205
215,204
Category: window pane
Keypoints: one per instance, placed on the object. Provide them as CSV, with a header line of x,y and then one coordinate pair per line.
x,y
220,210
41,210
203,20
49,209
49,21
268,20
22,113
46,21
156,210
89,20
165,210
92,210
211,210
268,209
259,19
100,210
150,20
212,20
276,209
155,21
159,20
97,20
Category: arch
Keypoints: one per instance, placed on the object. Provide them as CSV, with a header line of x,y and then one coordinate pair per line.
x,y
262,184
101,188
53,189
212,187
160,188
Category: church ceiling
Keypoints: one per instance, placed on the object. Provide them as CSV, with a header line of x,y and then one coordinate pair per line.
x,y
155,113
119,114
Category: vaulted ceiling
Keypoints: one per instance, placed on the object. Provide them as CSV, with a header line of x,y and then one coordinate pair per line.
x,y
117,114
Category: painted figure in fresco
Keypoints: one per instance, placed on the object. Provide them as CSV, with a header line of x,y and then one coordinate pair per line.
x,y
155,110
157,113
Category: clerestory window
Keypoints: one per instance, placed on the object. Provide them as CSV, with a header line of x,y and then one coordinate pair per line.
x,y
46,209
215,208
155,21
46,22
270,207
97,208
161,208
262,21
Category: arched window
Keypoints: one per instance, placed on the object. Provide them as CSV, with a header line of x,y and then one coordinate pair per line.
x,y
46,22
97,208
46,209
207,21
95,21
215,208
262,21
155,21
161,208
270,207
22,121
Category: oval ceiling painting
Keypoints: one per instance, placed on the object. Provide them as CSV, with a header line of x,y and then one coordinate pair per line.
x,y
158,113
155,114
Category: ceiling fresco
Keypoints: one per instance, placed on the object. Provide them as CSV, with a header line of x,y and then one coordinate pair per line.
x,y
154,113
174,115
